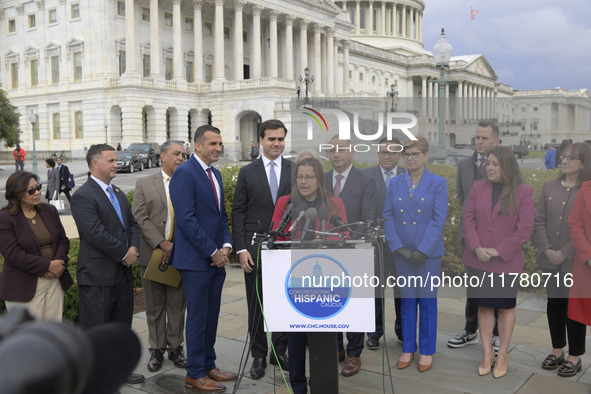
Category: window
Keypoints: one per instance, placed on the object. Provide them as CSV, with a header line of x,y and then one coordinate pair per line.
x,y
350,75
188,24
14,74
208,72
145,14
522,109
226,33
386,82
77,56
34,72
245,36
52,16
168,68
12,26
189,71
146,66
120,8
207,28
352,15
360,77
362,18
78,131
168,19
32,22
122,64
57,134
535,126
535,109
55,69
75,11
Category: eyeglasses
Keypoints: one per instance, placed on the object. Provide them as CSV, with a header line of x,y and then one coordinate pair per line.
x,y
308,178
569,158
387,153
414,155
35,189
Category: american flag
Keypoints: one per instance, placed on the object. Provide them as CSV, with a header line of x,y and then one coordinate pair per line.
x,y
473,13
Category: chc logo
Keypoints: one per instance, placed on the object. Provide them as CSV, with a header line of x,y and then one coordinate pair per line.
x,y
309,290
391,120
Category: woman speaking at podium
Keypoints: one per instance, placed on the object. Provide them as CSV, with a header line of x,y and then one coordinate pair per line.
x,y
416,204
309,191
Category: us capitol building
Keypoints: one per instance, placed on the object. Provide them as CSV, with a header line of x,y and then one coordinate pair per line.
x,y
148,70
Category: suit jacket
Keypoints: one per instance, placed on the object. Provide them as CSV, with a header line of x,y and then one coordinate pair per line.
x,y
506,233
359,197
23,263
416,223
376,174
468,173
150,210
104,240
200,227
64,176
252,209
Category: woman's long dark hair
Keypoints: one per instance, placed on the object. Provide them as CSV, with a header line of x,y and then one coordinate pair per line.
x,y
510,177
16,185
583,152
319,173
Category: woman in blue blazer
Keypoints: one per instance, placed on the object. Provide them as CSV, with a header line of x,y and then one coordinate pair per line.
x,y
416,204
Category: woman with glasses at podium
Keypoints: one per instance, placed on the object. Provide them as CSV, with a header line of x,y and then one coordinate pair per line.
x,y
416,204
309,191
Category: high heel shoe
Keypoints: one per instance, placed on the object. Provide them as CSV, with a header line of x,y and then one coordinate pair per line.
x,y
405,364
486,371
499,373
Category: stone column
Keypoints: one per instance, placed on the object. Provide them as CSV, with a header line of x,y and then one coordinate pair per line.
x,y
335,67
177,47
273,56
198,39
357,17
345,67
238,45
330,71
289,47
155,39
403,20
129,37
317,70
303,46
369,19
421,26
255,60
460,100
383,19
218,41
424,96
394,20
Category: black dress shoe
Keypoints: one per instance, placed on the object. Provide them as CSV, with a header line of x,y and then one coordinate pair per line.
x,y
135,378
155,362
177,356
283,361
257,370
569,369
552,362
373,343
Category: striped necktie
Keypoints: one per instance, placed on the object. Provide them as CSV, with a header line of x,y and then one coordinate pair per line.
x,y
115,203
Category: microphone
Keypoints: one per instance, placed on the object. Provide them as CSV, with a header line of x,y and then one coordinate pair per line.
x,y
285,218
297,221
310,216
323,217
336,221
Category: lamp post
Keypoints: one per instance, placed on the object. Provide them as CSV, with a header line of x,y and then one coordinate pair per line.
x,y
442,53
392,93
33,120
307,79
106,124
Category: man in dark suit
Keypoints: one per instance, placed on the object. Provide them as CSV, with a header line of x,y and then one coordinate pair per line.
x,y
200,252
109,244
64,178
358,192
252,211
389,154
165,305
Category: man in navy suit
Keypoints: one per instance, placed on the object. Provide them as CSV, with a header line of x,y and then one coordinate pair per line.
x,y
109,244
200,253
358,192
389,153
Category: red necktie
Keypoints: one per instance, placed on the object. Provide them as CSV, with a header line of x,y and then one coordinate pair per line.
x,y
337,186
217,202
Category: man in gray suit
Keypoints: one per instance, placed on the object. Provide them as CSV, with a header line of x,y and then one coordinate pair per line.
x,y
165,305
389,154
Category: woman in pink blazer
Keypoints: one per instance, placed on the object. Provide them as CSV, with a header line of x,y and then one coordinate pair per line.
x,y
498,220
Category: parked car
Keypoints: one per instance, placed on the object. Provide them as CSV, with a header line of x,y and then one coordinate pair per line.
x,y
519,150
451,160
129,161
148,151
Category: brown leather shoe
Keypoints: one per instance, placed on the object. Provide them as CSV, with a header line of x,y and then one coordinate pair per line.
x,y
221,376
204,384
352,365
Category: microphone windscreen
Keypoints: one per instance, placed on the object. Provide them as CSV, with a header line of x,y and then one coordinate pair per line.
x,y
117,351
311,213
335,220
323,213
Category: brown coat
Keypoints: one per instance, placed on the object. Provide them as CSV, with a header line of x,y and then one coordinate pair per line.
x,y
23,263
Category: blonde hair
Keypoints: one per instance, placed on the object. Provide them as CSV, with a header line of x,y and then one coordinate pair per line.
x,y
421,143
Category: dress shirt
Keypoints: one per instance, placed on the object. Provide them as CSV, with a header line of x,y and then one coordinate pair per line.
x,y
277,168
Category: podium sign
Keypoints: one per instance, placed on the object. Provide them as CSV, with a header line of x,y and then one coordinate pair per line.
x,y
321,290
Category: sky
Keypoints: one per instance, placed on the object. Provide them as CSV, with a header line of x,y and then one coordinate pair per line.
x,y
531,44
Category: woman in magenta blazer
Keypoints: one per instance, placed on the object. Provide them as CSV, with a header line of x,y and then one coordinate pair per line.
x,y
498,220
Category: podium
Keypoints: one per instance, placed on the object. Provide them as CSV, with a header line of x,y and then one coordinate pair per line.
x,y
320,291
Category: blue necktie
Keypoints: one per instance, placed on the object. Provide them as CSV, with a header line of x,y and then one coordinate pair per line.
x,y
388,177
273,184
115,203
